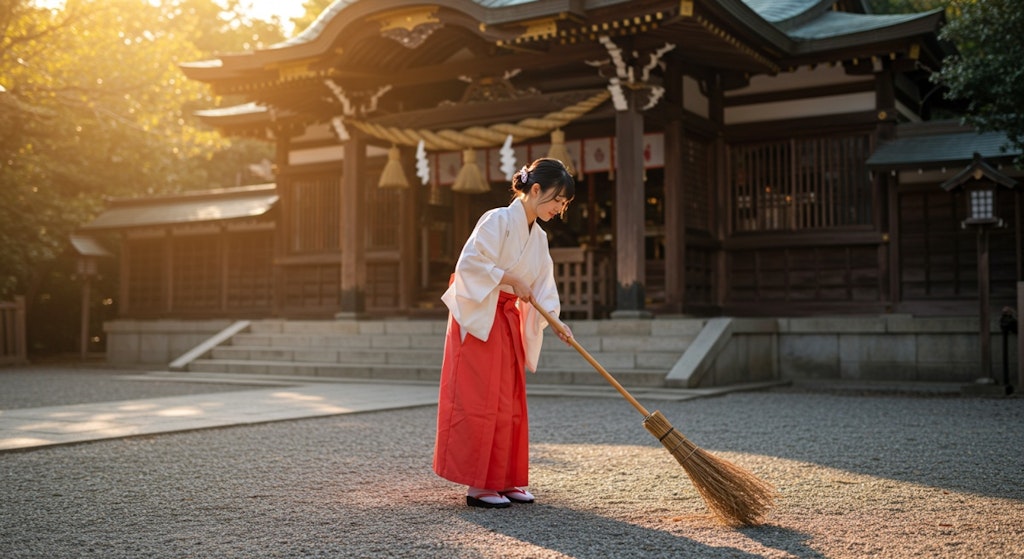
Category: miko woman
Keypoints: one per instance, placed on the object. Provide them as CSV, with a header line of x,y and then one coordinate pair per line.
x,y
494,334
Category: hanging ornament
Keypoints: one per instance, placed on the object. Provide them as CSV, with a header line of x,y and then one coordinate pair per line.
x,y
393,175
618,96
508,158
338,124
470,179
422,163
559,151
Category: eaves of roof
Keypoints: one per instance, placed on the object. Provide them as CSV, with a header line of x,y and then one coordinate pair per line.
x,y
832,30
312,41
183,209
780,29
944,149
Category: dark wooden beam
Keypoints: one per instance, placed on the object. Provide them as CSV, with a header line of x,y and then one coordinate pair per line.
x,y
629,210
675,202
353,292
477,67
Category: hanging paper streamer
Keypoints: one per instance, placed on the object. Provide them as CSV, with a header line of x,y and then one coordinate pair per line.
x,y
338,123
508,158
422,163
494,165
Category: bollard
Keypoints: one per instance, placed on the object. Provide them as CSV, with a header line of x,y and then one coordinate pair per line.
x,y
1007,323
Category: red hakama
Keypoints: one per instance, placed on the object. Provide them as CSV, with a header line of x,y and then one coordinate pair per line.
x,y
482,432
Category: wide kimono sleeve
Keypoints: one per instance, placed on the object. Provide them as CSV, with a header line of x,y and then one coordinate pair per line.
x,y
473,295
545,291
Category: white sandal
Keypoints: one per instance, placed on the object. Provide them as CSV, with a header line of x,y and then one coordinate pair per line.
x,y
517,495
486,499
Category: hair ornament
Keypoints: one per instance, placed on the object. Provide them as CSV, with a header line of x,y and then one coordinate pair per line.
x,y
524,176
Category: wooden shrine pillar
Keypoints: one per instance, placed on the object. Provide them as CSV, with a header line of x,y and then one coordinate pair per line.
x,y
629,210
722,181
353,262
675,193
408,244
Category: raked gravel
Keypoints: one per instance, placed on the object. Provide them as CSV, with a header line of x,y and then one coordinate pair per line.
x,y
859,476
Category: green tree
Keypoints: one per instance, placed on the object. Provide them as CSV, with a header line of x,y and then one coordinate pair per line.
x,y
313,10
987,72
905,6
92,105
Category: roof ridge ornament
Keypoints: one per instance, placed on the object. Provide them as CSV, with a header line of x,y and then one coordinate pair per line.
x,y
626,70
348,108
411,27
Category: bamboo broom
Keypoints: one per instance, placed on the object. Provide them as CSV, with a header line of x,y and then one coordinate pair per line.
x,y
733,494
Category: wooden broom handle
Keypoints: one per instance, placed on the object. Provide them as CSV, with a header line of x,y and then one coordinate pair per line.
x,y
590,359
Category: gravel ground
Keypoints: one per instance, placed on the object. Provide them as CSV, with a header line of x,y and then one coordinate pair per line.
x,y
859,476
61,385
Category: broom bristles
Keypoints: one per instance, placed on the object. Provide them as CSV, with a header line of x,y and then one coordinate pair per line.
x,y
734,495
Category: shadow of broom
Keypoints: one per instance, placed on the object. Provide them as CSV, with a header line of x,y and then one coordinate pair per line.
x,y
734,495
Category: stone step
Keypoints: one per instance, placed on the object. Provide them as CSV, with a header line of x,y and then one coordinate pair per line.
x,y
560,359
642,352
611,360
352,356
579,375
673,328
349,327
338,341
589,341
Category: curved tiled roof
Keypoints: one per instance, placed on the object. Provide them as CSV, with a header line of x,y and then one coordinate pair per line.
x,y
832,24
183,209
313,31
751,36
952,147
800,20
777,11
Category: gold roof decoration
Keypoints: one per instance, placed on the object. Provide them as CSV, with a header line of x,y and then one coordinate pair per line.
x,y
411,27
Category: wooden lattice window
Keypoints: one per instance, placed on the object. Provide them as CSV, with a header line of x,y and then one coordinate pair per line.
x,y
939,257
582,279
147,272
382,285
313,214
805,275
314,288
250,282
697,185
197,273
699,269
383,213
801,183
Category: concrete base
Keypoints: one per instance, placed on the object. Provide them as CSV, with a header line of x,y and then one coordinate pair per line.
x,y
630,315
346,315
986,389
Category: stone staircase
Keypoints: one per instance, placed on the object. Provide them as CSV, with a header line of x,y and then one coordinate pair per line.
x,y
639,353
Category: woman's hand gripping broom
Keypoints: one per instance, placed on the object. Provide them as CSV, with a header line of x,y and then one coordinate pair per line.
x,y
733,494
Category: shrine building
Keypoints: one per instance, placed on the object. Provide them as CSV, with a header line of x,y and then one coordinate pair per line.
x,y
743,158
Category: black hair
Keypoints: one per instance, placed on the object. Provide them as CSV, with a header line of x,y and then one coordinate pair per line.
x,y
549,174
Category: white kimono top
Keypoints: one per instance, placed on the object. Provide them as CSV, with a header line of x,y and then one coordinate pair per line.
x,y
502,241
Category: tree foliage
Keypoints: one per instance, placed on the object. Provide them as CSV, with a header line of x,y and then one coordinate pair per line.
x,y
93,105
987,72
905,6
313,9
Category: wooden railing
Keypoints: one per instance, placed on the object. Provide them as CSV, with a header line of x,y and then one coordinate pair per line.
x,y
584,283
12,332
